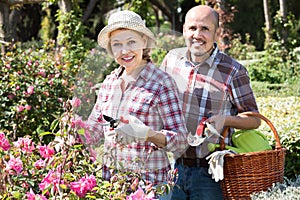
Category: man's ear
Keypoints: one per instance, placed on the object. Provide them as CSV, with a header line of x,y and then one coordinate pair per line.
x,y
218,33
183,30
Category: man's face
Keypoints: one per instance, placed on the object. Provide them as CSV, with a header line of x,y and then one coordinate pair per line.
x,y
200,34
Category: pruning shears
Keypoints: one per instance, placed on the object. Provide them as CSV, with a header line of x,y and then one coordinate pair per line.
x,y
113,123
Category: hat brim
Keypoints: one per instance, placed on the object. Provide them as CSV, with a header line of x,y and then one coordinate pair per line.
x,y
103,36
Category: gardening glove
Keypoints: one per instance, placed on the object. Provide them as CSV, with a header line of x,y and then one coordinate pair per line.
x,y
132,131
216,162
110,135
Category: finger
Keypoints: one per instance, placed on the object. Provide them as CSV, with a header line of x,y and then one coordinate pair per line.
x,y
211,119
122,119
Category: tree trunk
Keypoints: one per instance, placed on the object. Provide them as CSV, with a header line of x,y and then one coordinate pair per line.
x,y
4,26
268,23
283,14
65,5
89,10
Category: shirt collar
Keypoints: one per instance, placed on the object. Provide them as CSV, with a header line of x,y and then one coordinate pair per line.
x,y
209,60
145,73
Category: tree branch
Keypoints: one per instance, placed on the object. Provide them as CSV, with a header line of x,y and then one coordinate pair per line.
x,y
163,8
12,2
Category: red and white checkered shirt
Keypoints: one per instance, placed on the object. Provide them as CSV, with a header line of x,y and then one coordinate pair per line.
x,y
153,98
220,85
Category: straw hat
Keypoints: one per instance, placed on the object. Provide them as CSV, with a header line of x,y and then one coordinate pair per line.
x,y
124,19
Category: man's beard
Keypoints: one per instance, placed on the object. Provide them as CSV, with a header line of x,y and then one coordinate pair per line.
x,y
202,54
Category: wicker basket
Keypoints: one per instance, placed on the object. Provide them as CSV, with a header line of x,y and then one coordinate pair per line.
x,y
252,172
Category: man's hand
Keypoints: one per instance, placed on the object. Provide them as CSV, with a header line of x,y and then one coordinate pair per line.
x,y
218,121
133,130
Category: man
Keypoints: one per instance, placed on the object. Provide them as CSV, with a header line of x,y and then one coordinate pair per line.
x,y
214,88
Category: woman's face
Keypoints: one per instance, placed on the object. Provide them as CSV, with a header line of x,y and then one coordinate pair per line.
x,y
127,47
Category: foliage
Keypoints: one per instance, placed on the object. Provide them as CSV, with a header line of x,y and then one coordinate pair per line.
x,y
37,78
280,191
166,41
143,8
239,50
64,168
289,88
71,39
34,84
276,66
283,112
288,27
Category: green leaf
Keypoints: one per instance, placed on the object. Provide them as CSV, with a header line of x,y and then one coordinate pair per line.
x,y
45,133
81,131
54,124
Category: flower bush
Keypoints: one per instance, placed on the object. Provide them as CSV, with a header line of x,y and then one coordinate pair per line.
x,y
64,168
34,84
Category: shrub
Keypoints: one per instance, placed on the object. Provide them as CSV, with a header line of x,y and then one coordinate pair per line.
x,y
64,168
287,190
283,112
35,83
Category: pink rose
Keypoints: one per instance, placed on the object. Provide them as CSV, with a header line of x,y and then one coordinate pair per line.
x,y
4,143
14,165
27,107
25,144
20,108
30,90
42,72
84,185
31,196
75,102
46,151
52,178
40,164
139,194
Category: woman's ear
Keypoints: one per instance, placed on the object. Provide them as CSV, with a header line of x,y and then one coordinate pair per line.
x,y
145,39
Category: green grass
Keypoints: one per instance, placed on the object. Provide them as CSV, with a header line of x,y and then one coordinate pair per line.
x,y
287,89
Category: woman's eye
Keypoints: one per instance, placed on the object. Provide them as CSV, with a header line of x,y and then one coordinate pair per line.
x,y
117,44
131,42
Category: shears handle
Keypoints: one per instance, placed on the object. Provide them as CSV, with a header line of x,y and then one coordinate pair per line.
x,y
201,127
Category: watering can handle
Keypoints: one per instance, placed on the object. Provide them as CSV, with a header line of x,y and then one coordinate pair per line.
x,y
254,114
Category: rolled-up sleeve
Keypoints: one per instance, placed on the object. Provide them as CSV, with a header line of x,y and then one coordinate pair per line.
x,y
172,117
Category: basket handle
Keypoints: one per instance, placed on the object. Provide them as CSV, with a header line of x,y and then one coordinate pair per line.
x,y
254,114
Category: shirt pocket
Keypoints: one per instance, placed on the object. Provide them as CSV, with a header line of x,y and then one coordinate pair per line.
x,y
142,103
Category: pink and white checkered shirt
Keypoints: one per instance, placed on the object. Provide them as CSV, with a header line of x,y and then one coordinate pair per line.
x,y
153,98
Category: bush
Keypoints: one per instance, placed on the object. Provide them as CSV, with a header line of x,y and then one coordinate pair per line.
x,y
241,51
64,168
276,66
35,83
283,112
280,191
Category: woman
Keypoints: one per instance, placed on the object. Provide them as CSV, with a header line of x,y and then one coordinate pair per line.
x,y
143,97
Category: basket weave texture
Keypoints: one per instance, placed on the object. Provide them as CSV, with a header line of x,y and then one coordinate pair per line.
x,y
252,172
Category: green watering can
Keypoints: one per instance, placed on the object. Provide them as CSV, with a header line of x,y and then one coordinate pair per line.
x,y
245,141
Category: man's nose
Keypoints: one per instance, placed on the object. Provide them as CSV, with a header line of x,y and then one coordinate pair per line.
x,y
197,33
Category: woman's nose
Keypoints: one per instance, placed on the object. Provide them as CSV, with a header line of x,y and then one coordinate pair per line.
x,y
124,49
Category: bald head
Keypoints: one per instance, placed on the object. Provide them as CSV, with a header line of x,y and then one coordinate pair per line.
x,y
204,12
